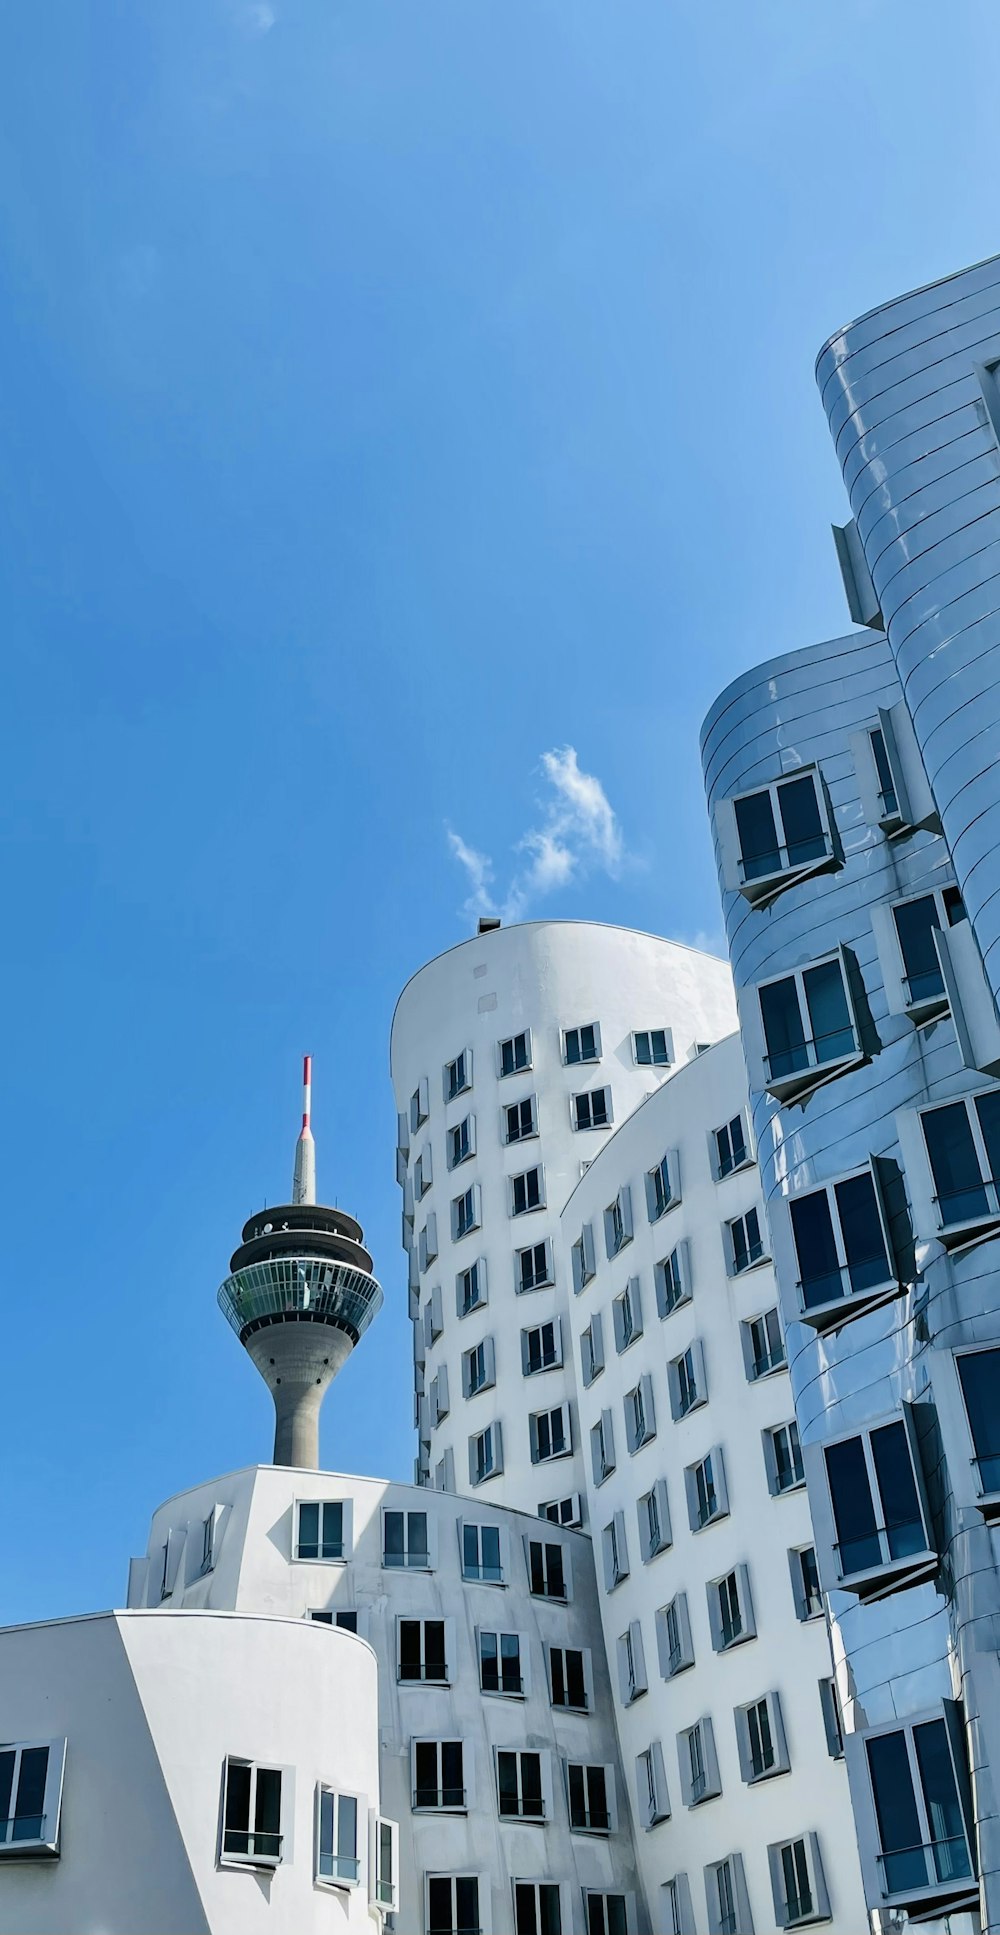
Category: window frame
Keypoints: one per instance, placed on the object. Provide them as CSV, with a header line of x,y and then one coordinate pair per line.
x,y
479,1473
439,1741
448,1647
466,1212
553,1362
832,1312
346,1529
586,1675
522,1177
602,1447
584,1259
592,1350
478,1270
516,1067
687,1382
818,1909
523,1135
618,1225
337,1793
772,1460
614,1548
640,1414
484,1352
561,1574
721,1170
759,1367
519,1754
384,1893
763,888
460,1139
666,1060
701,1784
652,1544
674,1640
652,1792
581,1060
673,1273
484,1920
731,1588
537,1435
803,1598
869,1582
482,1575
716,1483
662,1185
738,1917
626,1316
796,1085
590,1095
757,1251
754,1772
962,1890
47,1841
424,1559
270,1859
544,1282
633,1680
609,1811
502,1691
966,1231
458,1075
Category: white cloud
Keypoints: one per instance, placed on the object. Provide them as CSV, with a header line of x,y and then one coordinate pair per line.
x,y
578,831
256,17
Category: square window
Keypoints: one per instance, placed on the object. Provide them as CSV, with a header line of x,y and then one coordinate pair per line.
x,y
320,1532
811,1028
482,1558
842,1249
533,1267
550,1434
653,1048
591,1109
438,1776
31,1782
746,1242
541,1348
251,1828
458,1075
520,1120
731,1149
485,1455
514,1054
404,1541
582,1044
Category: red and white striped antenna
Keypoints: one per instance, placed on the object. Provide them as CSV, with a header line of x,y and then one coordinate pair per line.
x,y
304,1178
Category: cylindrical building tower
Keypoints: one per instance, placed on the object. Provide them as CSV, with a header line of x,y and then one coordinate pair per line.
x,y
299,1295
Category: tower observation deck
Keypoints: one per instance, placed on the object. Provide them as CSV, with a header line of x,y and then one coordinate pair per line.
x,y
299,1295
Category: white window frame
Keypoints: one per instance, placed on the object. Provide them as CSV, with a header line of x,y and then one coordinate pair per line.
x,y
754,1769
555,1424
383,1889
796,1084
913,805
458,1075
602,1447
663,1186
588,1096
626,1315
265,1857
730,1609
517,1067
423,1172
551,1363
466,1213
524,1135
46,1841
581,1061
483,1891
900,1000
428,1243
676,1894
592,1350
529,1208
674,1642
802,1598
528,1881
337,1794
717,1483
433,1317
480,1473
584,1259
869,1582
737,1917
542,1755
755,1257
769,1439
632,1678
793,1912
547,1547
547,1279
464,1276
651,1793
614,1542
587,1825
346,1530
618,1227
835,1311
773,1359
461,1141
438,1395
640,1414
501,1692
481,1355
646,1034
587,1674
567,1511
765,888
423,1559
687,1381
699,1769
439,1741
673,1281
482,1576
419,1105
961,1891
652,1510
721,1169
966,1231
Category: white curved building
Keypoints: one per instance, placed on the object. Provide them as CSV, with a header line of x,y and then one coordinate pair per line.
x,y
513,1055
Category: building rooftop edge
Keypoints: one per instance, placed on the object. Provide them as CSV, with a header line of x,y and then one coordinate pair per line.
x,y
354,1478
188,1612
935,282
864,634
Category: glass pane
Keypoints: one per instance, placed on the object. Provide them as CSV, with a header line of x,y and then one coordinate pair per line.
x,y
575,1688
409,1649
980,1375
898,1489
29,1809
800,819
890,805
864,1244
439,1916
333,1531
394,1538
988,1111
549,1915
434,1659
267,1809
426,1774
829,1013
452,1782
758,837
470,1550
466,1904
489,1676
853,1511
417,1530
954,1164
915,924
944,1812
784,1034
308,1531
903,1861
6,1787
507,1782
347,1828
554,1568
531,1783
237,1804
326,1831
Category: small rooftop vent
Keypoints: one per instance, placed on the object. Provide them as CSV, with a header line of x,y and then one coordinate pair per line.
x,y
487,922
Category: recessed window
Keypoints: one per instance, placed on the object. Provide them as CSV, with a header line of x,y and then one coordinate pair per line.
x,y
673,1281
208,1532
337,1857
892,783
730,1144
444,1471
423,1172
653,1514
385,1835
345,1618
806,1591
888,795
632,1679
963,1148
602,1447
563,1511
534,1267
422,1651
924,1853
583,1259
915,922
783,1458
615,1545
452,1904
546,1569
606,1914
618,1222
515,1053
500,1663
481,1555
883,1541
661,1186
541,1348
626,1314
763,1345
438,1396
550,1434
726,1895
640,1415
520,1120
783,834
519,1786
461,1141
404,1541
698,1764
760,1737
730,1609
652,1048
419,1106
251,1830
797,1882
582,1044
527,1191
651,1786
478,1369
706,1490
427,1243
433,1317
592,1349
746,1243
673,1629
842,1249
677,1906
833,1719
687,1381
320,1529
485,1455
979,1377
589,1812
438,1775
591,1109
470,1287
810,1029
537,1909
31,1779
458,1075
466,1212
567,1678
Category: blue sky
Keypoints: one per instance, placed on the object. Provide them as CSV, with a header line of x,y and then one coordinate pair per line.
x,y
393,394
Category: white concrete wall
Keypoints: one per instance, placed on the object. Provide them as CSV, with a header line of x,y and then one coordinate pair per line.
x,y
545,976
786,1656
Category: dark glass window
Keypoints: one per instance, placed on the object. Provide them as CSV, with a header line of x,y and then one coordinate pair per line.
x,y
545,1565
821,1276
541,1348
438,1774
252,1820
453,1905
22,1812
321,1531
802,839
521,1120
481,1553
514,1055
979,1372
533,1266
913,1855
421,1649
588,1798
406,1539
878,1520
606,1915
522,1797
567,1676
500,1662
915,923
536,1908
581,1044
956,1163
830,1028
887,788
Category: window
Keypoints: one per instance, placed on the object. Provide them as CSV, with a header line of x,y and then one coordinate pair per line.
x,y
673,1281
461,1141
705,1484
783,1458
444,1471
963,1148
568,1678
541,1348
615,1552
653,1048
427,1243
563,1511
632,1680
582,1044
731,1150
979,1377
782,834
882,1538
746,1244
673,1635
592,1349
892,783
797,1882
385,1837
606,1914
550,1434
760,1737
481,1554
727,1898
519,1120
337,1857
515,1053
458,1075
588,1798
921,1833
452,1904
618,1222
730,1609
888,799
251,1824
31,1779
478,1368
423,1172
653,1513
686,1379
640,1416
661,1186
533,1267
438,1777
591,1109
763,1345
470,1287
536,1908
833,1721
433,1317
584,1263
419,1106
500,1663
421,1651
651,1786
346,1618
699,1767
841,1248
485,1454
602,1447
466,1212
527,1192
677,1906
922,991
626,1315
438,1397
519,1785
208,1532
404,1540
810,1027
320,1529
805,1582
546,1570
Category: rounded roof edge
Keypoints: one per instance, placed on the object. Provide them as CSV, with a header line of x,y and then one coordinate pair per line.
x,y
892,302
754,674
348,1478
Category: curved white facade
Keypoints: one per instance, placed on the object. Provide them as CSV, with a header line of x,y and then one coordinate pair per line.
x,y
570,998
711,1380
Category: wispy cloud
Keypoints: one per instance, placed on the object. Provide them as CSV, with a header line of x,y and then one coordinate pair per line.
x,y
578,832
256,17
